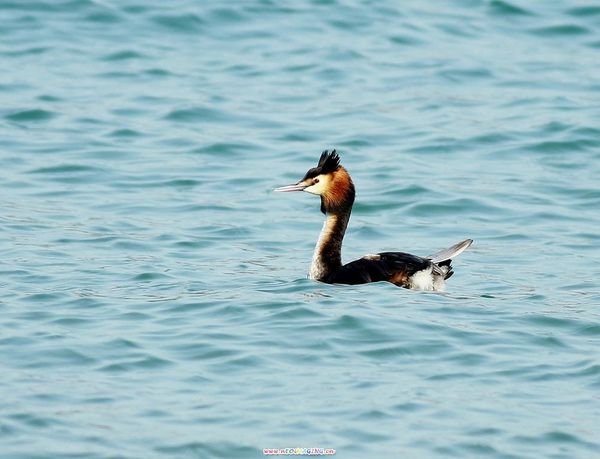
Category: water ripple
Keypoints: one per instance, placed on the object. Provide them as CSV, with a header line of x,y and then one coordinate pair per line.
x,y
155,293
503,8
35,114
184,23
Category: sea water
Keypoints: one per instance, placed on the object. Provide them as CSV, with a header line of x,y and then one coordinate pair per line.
x,y
154,294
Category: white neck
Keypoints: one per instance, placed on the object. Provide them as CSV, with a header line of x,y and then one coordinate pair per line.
x,y
328,251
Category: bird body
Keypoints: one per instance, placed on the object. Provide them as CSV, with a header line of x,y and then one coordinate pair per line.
x,y
333,184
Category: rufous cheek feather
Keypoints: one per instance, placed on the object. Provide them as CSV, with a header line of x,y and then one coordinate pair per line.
x,y
339,196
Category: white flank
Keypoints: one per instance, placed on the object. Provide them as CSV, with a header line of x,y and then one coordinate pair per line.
x,y
426,280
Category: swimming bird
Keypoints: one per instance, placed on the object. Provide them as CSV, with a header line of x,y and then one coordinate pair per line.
x,y
331,181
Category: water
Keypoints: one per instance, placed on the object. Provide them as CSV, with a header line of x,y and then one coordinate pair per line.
x,y
154,293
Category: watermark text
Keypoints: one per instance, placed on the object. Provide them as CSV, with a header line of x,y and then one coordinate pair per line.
x,y
298,451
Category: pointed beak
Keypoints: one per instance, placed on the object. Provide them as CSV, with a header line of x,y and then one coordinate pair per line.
x,y
286,189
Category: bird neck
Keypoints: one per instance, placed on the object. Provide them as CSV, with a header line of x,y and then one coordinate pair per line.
x,y
336,204
328,251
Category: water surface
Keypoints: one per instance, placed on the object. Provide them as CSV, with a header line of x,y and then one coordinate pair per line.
x,y
154,293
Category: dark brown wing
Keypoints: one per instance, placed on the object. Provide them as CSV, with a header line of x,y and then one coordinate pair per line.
x,y
395,267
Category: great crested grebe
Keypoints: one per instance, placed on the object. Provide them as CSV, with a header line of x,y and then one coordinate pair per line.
x,y
333,183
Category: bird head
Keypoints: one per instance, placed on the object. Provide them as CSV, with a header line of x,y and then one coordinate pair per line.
x,y
329,180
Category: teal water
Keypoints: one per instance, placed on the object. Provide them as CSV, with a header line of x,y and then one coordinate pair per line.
x,y
154,293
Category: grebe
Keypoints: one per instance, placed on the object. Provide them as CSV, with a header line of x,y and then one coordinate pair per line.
x,y
333,184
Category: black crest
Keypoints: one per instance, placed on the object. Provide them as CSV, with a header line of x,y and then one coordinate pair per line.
x,y
328,162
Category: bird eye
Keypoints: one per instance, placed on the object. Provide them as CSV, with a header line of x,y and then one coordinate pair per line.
x,y
316,181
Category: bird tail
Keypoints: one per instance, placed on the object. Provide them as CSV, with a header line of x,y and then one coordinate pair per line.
x,y
450,252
